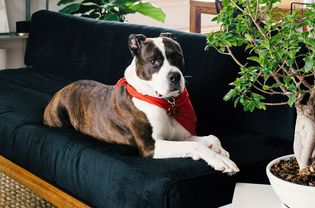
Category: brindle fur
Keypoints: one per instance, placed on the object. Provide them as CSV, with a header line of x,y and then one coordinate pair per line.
x,y
84,105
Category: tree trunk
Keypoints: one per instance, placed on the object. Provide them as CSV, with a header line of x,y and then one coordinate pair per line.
x,y
304,138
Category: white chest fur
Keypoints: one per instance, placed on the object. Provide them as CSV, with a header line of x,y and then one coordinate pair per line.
x,y
163,125
166,128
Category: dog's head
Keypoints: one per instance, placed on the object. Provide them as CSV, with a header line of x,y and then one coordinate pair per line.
x,y
157,65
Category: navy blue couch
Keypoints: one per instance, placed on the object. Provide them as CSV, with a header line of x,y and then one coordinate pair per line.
x,y
63,48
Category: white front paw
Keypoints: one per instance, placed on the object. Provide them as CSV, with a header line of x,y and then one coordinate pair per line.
x,y
217,161
214,143
225,165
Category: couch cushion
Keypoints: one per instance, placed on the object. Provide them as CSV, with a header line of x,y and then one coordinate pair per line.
x,y
110,175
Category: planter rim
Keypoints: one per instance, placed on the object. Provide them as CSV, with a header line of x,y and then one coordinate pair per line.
x,y
284,182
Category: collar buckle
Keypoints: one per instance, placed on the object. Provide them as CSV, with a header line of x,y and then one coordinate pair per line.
x,y
172,109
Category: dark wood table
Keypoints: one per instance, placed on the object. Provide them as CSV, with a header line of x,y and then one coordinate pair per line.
x,y
196,9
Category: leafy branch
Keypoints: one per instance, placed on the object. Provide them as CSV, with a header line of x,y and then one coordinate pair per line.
x,y
113,10
281,55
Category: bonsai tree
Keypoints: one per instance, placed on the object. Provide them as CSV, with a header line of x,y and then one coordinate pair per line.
x,y
280,62
113,10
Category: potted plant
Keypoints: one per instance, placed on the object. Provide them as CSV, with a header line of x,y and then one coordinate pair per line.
x,y
281,58
113,10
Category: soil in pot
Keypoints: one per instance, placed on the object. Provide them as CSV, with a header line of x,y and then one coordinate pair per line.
x,y
288,170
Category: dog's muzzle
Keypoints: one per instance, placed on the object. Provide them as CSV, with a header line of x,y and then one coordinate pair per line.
x,y
174,80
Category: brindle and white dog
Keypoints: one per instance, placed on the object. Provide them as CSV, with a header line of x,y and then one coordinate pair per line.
x,y
111,114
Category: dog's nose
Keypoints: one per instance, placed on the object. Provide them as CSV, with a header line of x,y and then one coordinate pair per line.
x,y
174,77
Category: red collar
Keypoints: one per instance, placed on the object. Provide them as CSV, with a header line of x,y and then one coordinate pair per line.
x,y
180,108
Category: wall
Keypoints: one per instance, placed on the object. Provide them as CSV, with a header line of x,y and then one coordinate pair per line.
x,y
12,53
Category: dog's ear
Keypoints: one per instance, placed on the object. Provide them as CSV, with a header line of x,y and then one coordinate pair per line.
x,y
135,42
168,35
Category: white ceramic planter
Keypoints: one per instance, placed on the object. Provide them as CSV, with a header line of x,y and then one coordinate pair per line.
x,y
291,195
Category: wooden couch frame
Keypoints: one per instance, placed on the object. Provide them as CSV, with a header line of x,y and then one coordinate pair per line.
x,y
47,191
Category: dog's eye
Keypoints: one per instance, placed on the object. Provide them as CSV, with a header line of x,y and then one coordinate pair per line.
x,y
152,61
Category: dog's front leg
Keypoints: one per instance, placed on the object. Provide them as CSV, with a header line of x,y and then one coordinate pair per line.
x,y
195,150
212,142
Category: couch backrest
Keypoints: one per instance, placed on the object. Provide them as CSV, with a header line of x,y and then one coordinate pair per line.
x,y
81,48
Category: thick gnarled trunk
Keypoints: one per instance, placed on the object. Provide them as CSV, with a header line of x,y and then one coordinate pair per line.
x,y
304,138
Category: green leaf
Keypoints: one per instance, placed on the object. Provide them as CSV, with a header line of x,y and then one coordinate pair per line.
x,y
111,17
250,105
257,97
254,58
275,85
86,8
292,54
61,2
261,106
229,95
71,9
97,2
248,46
248,37
309,64
291,100
225,3
147,9
215,18
266,87
287,80
236,101
92,15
